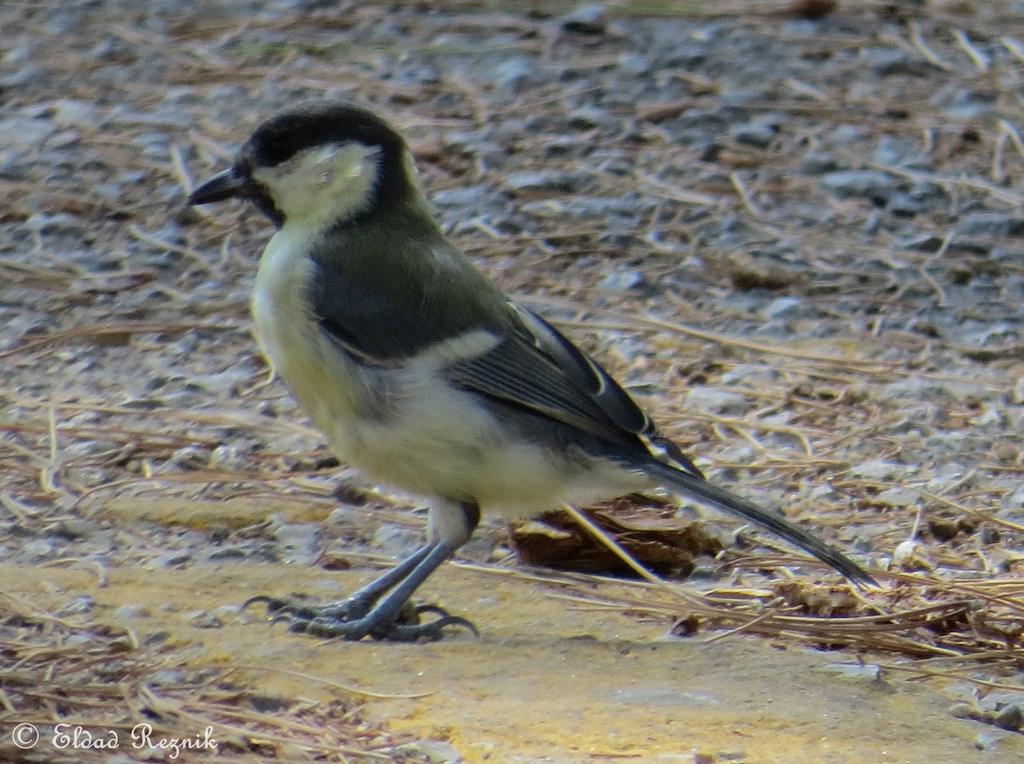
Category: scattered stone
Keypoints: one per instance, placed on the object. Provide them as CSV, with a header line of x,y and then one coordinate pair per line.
x,y
990,535
128,612
910,556
268,704
188,458
634,64
155,638
397,540
898,497
946,476
300,542
1010,718
877,186
74,528
724,402
587,19
80,605
892,150
204,620
963,711
171,677
926,242
990,224
889,61
783,308
624,280
73,113
757,135
985,741
742,453
19,133
37,550
943,529
234,552
589,117
515,75
878,470
871,672
749,374
969,104
546,180
226,611
819,163
228,458
173,559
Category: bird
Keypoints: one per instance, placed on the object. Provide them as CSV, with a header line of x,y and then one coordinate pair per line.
x,y
421,373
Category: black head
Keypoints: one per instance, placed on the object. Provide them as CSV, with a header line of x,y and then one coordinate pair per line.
x,y
315,124
261,171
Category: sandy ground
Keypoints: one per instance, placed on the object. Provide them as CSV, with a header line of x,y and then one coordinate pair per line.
x,y
548,682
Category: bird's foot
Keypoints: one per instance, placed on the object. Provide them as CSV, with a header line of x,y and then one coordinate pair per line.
x,y
353,619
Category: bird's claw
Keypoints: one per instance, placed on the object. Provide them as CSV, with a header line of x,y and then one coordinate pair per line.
x,y
352,619
298,607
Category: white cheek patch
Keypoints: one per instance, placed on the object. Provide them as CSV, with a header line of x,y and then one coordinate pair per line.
x,y
323,184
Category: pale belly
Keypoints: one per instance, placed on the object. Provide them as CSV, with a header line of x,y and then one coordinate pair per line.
x,y
415,433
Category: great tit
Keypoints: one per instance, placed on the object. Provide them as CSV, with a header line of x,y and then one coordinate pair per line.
x,y
420,372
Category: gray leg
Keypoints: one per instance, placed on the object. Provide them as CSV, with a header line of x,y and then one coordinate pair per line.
x,y
451,525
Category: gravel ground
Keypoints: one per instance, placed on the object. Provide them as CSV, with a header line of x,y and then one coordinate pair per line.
x,y
797,240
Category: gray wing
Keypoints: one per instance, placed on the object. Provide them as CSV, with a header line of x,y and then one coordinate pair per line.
x,y
537,368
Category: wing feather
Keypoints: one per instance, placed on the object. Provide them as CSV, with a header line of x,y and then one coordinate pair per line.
x,y
536,367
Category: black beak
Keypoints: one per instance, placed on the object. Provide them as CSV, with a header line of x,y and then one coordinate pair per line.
x,y
224,185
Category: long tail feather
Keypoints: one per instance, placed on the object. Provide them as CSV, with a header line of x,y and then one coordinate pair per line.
x,y
708,493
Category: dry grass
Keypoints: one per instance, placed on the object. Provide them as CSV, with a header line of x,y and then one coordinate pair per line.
x,y
61,671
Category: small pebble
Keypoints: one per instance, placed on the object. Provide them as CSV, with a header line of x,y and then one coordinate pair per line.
x,y
587,19
897,497
235,552
990,535
943,529
188,458
622,281
1010,718
173,559
878,469
268,704
203,620
963,711
515,75
397,540
758,136
74,528
156,638
79,605
228,458
545,180
634,63
990,224
860,183
704,398
127,612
